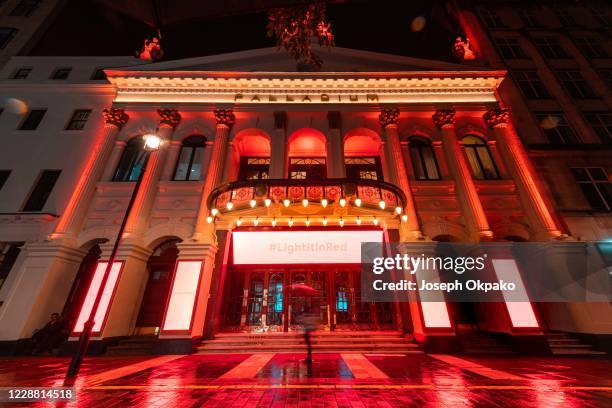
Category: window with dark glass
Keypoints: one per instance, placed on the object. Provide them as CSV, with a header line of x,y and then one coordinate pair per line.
x,y
574,84
4,175
78,119
591,47
254,168
596,186
6,35
423,159
479,158
9,251
509,47
307,168
565,16
33,119
602,16
132,161
61,73
25,8
601,122
42,190
21,73
189,165
530,84
606,75
556,128
490,18
98,75
364,168
550,47
529,18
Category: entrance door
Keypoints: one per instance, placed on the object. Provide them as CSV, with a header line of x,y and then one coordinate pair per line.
x,y
307,168
160,267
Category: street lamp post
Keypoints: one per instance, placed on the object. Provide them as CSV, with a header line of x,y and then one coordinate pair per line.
x,y
151,143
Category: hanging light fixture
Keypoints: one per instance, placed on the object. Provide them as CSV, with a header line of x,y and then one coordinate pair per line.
x,y
341,222
290,222
375,221
267,202
324,202
324,222
286,202
358,202
382,204
307,222
239,222
405,218
229,206
358,221
209,219
256,221
342,202
273,222
214,212
398,210
253,203
305,202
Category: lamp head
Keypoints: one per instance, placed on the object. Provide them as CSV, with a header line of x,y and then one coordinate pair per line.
x,y
152,142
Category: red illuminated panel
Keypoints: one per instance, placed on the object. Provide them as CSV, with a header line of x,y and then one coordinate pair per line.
x,y
521,313
92,292
435,315
183,296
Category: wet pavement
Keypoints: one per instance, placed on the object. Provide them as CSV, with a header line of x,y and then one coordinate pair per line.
x,y
333,380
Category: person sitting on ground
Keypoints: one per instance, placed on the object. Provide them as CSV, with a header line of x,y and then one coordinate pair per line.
x,y
50,336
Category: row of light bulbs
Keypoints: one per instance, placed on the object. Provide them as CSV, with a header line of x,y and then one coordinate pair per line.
x,y
306,221
324,202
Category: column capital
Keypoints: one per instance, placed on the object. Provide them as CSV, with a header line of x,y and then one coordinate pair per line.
x,y
496,117
115,117
444,118
389,117
169,117
225,117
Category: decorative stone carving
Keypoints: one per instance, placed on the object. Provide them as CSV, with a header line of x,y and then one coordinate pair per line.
x,y
115,117
444,118
169,117
496,117
462,50
225,117
151,50
389,117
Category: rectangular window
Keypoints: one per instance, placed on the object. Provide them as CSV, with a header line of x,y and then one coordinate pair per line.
x,y
574,84
606,75
79,119
99,75
591,47
601,15
491,19
595,185
528,18
530,84
550,47
601,122
25,8
254,168
21,73
555,127
565,16
365,168
61,73
6,35
41,192
33,119
307,168
509,47
4,175
9,251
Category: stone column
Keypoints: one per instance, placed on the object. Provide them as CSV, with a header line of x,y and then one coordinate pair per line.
x,y
278,146
113,161
523,173
476,219
225,120
137,221
72,219
174,147
396,170
335,146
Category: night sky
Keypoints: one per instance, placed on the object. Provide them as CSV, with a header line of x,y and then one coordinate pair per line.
x,y
88,27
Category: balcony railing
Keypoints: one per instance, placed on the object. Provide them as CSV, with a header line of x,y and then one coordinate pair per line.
x,y
246,194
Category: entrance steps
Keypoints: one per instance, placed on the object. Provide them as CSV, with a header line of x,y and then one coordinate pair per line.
x,y
322,342
135,345
565,344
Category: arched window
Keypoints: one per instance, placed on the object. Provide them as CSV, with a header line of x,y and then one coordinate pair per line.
x,y
132,160
479,158
189,165
423,159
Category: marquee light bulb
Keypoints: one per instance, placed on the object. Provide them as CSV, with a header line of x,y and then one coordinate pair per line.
x,y
229,205
341,222
209,219
267,202
305,202
398,210
375,221
286,202
342,202
256,221
324,222
214,212
405,218
239,222
253,203
307,222
273,222
358,221
324,202
290,222
382,204
358,202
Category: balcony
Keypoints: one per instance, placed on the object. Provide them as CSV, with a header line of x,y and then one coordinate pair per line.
x,y
304,198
